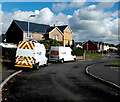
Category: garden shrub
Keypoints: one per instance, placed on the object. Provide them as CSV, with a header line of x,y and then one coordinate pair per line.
x,y
77,51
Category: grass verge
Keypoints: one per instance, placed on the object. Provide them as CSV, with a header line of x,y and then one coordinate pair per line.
x,y
2,67
117,64
93,55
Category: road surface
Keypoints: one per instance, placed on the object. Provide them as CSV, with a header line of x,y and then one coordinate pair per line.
x,y
58,81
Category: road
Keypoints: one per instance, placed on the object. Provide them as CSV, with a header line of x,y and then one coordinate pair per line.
x,y
58,81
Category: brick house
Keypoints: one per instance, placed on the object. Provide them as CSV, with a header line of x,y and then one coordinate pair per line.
x,y
18,31
60,33
90,46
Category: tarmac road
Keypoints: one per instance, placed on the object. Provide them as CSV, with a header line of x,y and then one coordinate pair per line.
x,y
58,81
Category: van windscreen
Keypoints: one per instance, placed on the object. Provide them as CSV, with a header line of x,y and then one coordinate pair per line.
x,y
54,53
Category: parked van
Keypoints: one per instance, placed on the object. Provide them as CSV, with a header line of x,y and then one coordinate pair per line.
x,y
61,54
31,54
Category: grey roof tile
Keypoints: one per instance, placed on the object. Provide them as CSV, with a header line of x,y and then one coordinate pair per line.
x,y
33,27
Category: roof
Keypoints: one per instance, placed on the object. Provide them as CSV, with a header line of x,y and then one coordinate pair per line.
x,y
80,43
61,28
33,27
49,29
94,42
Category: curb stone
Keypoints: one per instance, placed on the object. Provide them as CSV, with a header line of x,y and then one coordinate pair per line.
x,y
106,81
5,81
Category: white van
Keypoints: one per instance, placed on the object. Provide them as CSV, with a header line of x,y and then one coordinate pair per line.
x,y
30,54
61,54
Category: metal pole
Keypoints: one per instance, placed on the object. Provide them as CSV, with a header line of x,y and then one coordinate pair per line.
x,y
28,25
102,48
87,46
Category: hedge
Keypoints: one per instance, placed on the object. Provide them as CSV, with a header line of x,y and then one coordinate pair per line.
x,y
78,51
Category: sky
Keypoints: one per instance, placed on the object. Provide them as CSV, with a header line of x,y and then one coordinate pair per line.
x,y
94,20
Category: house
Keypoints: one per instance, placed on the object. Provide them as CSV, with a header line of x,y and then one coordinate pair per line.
x,y
60,33
95,46
90,46
18,31
103,47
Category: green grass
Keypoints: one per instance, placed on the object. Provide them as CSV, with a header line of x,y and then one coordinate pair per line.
x,y
2,67
7,60
93,55
115,64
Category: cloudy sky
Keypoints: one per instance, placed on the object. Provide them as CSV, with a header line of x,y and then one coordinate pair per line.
x,y
88,20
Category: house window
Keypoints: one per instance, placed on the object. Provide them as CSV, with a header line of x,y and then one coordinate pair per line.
x,y
56,37
30,35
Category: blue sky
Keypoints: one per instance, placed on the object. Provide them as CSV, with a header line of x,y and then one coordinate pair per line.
x,y
31,6
88,20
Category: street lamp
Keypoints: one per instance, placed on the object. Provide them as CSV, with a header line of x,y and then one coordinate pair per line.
x,y
36,13
29,23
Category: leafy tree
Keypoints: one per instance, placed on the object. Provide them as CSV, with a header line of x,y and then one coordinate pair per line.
x,y
51,42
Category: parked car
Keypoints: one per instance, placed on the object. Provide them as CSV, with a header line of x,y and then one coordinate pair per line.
x,y
61,54
31,55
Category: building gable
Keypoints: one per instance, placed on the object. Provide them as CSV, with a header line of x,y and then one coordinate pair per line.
x,y
68,29
14,34
56,33
89,45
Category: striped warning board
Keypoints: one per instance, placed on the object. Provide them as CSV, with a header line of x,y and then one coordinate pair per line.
x,y
25,60
26,45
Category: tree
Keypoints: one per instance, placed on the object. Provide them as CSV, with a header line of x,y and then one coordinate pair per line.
x,y
51,42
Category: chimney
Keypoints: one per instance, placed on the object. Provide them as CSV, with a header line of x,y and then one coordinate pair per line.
x,y
54,25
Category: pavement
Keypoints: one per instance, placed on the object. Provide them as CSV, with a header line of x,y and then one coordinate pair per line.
x,y
104,72
5,73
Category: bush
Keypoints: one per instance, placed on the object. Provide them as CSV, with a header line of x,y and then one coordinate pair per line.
x,y
51,42
77,51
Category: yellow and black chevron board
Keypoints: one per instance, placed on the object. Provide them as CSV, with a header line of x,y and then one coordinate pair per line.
x,y
25,61
26,45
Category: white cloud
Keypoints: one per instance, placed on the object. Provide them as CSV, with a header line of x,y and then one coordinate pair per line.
x,y
62,6
1,13
104,5
107,0
46,16
87,23
92,24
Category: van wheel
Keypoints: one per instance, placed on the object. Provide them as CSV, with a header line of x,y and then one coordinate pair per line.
x,y
62,60
37,66
74,59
